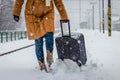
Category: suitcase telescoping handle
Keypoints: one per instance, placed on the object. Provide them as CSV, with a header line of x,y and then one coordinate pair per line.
x,y
61,24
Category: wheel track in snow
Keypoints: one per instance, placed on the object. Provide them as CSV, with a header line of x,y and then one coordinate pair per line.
x,y
3,54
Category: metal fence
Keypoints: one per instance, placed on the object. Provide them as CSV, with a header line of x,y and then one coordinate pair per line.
x,y
6,36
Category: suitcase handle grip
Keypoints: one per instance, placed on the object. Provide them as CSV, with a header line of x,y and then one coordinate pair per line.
x,y
65,21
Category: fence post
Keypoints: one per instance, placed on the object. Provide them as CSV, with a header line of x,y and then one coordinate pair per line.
x,y
11,36
18,35
6,36
14,35
2,37
21,34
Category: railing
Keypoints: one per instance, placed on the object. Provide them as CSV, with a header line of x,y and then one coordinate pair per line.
x,y
2,54
6,36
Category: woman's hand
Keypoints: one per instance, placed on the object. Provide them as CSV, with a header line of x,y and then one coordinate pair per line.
x,y
16,18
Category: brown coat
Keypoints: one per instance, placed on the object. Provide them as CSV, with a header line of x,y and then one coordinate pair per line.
x,y
38,25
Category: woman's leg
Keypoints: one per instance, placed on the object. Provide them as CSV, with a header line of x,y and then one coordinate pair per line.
x,y
39,49
49,47
40,53
49,41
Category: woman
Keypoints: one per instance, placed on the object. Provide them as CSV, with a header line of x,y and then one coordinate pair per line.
x,y
39,18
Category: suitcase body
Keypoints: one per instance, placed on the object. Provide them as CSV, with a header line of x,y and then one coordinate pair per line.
x,y
71,46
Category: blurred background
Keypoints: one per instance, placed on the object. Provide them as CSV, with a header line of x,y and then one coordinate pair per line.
x,y
83,14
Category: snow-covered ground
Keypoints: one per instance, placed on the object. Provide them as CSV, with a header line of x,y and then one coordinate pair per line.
x,y
9,46
103,55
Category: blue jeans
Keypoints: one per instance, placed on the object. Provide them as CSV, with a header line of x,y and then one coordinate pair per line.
x,y
49,41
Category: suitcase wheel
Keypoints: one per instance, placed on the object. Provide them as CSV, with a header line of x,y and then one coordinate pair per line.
x,y
79,63
62,59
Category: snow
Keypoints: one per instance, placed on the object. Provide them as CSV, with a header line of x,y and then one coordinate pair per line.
x,y
103,55
6,47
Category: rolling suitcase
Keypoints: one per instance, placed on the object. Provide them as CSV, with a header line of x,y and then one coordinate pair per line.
x,y
71,46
